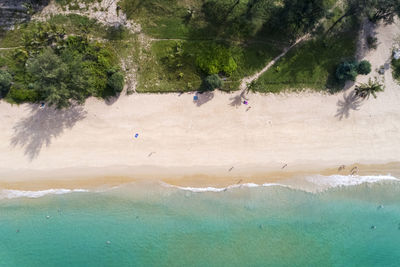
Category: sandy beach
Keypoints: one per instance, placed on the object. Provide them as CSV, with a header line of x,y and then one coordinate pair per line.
x,y
215,136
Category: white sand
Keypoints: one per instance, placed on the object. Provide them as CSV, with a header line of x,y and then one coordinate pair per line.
x,y
293,129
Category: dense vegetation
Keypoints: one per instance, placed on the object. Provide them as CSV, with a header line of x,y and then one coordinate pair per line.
x,y
188,45
348,70
59,69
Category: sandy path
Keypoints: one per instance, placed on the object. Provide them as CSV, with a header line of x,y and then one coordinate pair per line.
x,y
316,129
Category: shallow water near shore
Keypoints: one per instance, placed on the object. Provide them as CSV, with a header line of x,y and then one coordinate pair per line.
x,y
152,224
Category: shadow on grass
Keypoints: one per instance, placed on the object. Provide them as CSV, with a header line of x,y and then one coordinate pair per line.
x,y
349,102
42,126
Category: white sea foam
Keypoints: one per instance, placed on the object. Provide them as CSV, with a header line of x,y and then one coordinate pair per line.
x,y
347,180
219,189
9,194
309,184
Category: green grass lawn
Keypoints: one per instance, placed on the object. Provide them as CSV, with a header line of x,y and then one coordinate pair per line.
x,y
311,65
72,23
164,19
76,24
157,75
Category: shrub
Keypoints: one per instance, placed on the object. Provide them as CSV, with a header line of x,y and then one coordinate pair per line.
x,y
372,42
215,58
116,32
364,67
347,71
2,61
116,82
396,68
212,82
20,95
5,82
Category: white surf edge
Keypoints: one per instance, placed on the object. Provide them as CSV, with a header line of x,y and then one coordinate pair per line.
x,y
219,189
318,182
10,194
347,180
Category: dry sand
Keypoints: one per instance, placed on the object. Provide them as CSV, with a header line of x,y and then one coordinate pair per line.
x,y
179,138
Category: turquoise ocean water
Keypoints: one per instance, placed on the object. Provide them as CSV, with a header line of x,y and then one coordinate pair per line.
x,y
154,225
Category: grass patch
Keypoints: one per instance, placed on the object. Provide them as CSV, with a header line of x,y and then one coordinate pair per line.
x,y
76,24
12,38
163,18
159,73
72,24
311,65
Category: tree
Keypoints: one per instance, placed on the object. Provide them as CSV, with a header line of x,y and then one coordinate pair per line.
x,y
364,67
376,10
5,82
57,81
347,71
116,82
386,10
257,14
364,90
301,16
212,82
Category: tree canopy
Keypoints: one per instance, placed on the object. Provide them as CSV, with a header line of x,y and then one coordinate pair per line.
x,y
5,82
212,82
59,79
62,71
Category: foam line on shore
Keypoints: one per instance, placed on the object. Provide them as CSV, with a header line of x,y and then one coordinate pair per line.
x,y
9,194
317,182
220,189
347,180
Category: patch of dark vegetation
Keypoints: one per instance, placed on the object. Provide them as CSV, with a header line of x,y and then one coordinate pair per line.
x,y
59,69
17,11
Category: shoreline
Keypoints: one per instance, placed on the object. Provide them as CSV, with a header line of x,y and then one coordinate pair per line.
x,y
306,132
183,177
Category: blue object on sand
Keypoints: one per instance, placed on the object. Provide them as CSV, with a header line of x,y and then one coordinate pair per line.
x,y
136,135
245,102
195,98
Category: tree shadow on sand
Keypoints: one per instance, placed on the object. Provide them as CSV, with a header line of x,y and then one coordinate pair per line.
x,y
238,99
349,102
203,98
42,125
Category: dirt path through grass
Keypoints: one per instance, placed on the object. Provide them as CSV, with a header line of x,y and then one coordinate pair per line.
x,y
10,48
248,80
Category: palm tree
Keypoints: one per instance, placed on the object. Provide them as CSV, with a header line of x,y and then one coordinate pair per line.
x,y
364,90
